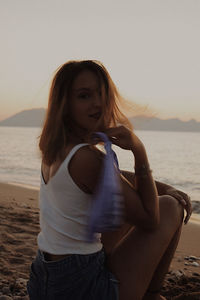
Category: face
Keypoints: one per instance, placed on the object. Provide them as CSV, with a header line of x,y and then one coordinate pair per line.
x,y
85,103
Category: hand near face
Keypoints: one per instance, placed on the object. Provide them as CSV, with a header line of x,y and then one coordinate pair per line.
x,y
124,138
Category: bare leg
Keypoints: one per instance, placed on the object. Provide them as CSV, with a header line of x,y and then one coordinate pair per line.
x,y
162,269
112,238
142,257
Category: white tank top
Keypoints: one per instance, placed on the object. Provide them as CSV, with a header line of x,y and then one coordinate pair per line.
x,y
64,212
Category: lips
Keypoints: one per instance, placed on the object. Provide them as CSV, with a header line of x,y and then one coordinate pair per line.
x,y
95,116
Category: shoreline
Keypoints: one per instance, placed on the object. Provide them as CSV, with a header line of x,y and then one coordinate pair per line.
x,y
28,195
195,217
23,185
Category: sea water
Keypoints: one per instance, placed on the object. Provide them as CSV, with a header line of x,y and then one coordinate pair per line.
x,y
174,157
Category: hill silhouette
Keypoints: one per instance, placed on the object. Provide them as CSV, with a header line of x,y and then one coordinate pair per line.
x,y
35,118
148,123
26,118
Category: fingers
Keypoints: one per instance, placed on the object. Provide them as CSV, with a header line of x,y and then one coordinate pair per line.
x,y
180,199
120,136
116,132
188,215
188,209
112,131
116,141
185,201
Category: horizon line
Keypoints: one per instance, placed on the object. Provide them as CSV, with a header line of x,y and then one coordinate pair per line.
x,y
5,117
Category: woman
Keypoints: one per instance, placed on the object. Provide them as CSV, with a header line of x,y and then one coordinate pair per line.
x,y
129,263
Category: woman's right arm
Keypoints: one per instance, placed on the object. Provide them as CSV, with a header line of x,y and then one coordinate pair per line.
x,y
142,205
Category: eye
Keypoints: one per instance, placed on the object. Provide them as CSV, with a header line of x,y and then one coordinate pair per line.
x,y
84,95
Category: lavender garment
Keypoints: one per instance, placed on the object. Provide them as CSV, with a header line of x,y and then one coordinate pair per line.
x,y
107,208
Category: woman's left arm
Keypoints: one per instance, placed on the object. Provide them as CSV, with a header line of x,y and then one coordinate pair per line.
x,y
165,189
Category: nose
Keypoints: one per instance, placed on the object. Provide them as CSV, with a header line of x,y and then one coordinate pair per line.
x,y
97,99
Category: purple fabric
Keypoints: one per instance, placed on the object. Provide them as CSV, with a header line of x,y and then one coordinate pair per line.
x,y
107,206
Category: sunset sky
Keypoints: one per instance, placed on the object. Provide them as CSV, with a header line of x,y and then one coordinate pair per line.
x,y
150,47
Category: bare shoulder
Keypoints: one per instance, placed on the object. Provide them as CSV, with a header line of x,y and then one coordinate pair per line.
x,y
85,167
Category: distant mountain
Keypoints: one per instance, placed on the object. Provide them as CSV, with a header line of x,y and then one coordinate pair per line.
x,y
147,123
35,118
26,118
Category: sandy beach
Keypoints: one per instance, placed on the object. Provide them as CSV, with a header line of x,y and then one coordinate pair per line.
x,y
19,226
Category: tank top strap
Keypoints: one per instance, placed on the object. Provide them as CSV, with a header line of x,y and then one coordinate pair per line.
x,y
72,152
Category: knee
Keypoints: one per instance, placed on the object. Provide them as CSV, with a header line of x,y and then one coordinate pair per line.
x,y
171,210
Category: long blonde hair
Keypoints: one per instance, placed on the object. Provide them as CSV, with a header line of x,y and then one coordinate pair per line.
x,y
54,136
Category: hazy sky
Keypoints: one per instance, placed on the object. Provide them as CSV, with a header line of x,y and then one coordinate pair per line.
x,y
150,47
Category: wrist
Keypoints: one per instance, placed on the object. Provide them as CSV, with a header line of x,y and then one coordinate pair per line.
x,y
143,170
163,188
141,159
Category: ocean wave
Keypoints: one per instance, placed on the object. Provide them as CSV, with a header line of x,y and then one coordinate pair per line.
x,y
196,207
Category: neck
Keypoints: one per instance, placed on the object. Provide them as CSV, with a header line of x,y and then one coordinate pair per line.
x,y
77,137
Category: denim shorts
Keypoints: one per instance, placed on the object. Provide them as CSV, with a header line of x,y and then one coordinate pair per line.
x,y
76,277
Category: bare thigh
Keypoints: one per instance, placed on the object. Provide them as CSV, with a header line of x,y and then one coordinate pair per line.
x,y
134,259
